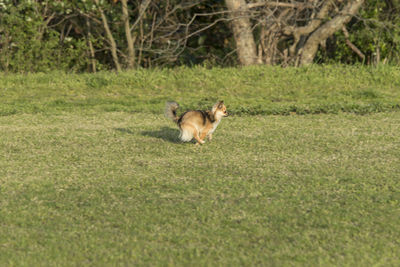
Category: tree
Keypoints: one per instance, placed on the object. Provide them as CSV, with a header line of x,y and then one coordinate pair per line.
x,y
328,29
242,30
288,32
91,35
110,36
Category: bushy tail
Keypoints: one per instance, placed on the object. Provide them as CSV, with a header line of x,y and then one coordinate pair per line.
x,y
170,111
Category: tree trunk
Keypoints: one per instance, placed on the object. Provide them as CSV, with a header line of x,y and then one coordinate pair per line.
x,y
110,38
241,26
328,29
90,44
129,39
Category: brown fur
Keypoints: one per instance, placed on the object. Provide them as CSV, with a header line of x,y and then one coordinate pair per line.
x,y
197,123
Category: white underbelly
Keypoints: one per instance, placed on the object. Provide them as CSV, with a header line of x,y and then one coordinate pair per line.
x,y
214,127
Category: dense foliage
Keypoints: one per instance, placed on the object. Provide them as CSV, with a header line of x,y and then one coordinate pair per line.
x,y
43,35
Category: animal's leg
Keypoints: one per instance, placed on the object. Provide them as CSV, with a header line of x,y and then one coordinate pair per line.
x,y
196,136
203,135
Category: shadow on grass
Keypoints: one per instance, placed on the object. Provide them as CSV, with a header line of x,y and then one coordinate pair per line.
x,y
124,130
165,133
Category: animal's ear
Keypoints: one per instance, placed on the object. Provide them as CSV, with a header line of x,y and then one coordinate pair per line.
x,y
221,104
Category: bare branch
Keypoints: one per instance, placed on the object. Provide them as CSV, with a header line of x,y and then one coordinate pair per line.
x,y
110,38
142,9
280,4
351,45
329,28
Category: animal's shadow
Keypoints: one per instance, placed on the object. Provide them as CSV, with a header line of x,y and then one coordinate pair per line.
x,y
124,130
165,133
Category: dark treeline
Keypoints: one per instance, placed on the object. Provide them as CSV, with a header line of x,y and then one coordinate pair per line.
x,y
92,35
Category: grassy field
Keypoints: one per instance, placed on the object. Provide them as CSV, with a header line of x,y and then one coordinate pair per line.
x,y
87,179
252,91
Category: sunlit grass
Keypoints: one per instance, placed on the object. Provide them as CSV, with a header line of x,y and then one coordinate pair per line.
x,y
114,188
257,90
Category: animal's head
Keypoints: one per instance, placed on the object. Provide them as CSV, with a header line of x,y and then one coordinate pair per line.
x,y
219,109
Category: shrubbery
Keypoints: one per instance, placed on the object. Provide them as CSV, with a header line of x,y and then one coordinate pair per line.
x,y
38,36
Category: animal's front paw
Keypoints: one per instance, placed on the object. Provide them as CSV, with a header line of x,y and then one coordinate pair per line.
x,y
200,142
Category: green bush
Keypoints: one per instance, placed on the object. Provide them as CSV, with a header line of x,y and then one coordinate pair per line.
x,y
29,45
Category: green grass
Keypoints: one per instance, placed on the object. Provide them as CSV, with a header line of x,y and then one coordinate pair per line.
x,y
256,90
91,173
119,189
